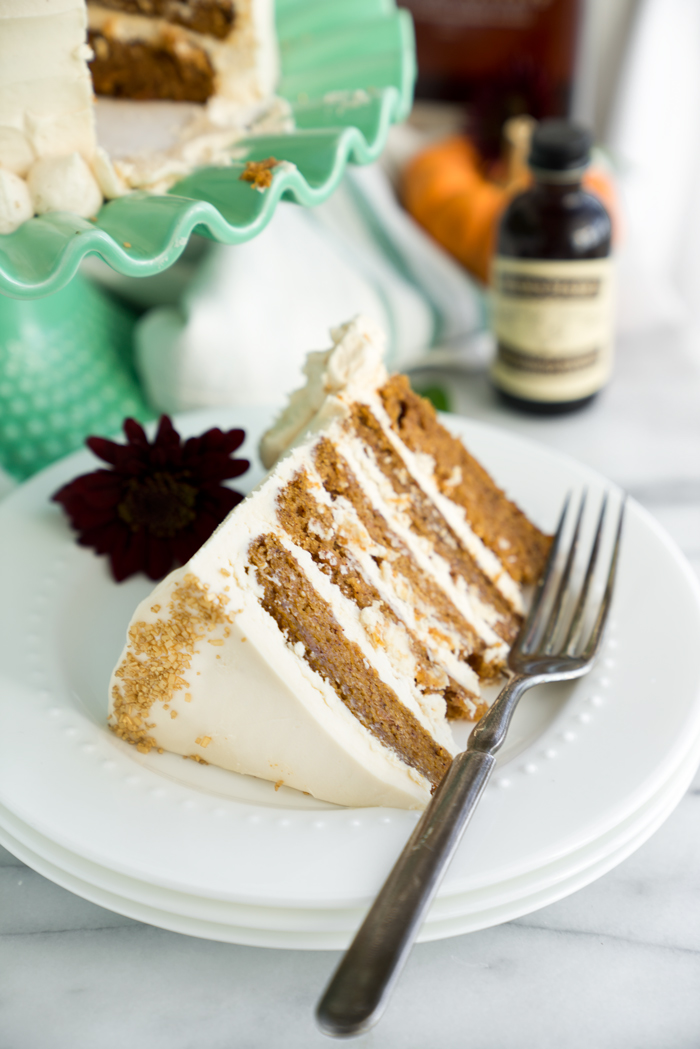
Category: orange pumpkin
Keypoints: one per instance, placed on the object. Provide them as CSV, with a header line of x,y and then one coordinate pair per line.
x,y
448,191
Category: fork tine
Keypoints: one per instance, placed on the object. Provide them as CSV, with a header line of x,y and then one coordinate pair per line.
x,y
557,609
599,625
577,618
532,622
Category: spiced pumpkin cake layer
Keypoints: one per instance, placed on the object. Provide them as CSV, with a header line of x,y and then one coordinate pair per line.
x,y
305,618
212,17
352,606
427,523
184,52
414,586
520,546
386,601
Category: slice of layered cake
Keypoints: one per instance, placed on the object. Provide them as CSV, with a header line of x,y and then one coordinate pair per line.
x,y
346,609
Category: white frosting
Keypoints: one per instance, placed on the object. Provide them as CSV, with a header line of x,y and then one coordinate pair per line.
x,y
353,365
267,714
150,145
15,202
45,85
16,151
64,184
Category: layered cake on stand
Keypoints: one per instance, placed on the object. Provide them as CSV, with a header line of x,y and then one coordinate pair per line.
x,y
182,82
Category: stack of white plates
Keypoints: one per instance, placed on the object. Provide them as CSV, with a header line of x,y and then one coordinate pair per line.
x,y
589,771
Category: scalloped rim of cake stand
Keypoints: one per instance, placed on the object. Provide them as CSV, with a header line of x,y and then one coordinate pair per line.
x,y
348,71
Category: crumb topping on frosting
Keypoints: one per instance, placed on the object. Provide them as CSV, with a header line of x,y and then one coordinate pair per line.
x,y
158,656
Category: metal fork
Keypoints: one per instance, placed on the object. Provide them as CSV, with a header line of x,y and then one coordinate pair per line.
x,y
362,984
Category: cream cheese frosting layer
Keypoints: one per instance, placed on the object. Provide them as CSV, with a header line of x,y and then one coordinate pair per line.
x,y
352,365
46,102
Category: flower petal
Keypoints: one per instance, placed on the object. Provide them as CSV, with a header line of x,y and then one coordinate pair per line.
x,y
158,558
135,433
110,451
92,501
130,558
185,545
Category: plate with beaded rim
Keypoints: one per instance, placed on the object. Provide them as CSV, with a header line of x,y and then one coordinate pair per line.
x,y
580,759
323,929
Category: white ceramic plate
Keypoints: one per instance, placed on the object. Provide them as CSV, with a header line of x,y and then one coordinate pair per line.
x,y
581,759
304,929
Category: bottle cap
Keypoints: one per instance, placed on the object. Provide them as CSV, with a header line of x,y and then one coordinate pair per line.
x,y
559,145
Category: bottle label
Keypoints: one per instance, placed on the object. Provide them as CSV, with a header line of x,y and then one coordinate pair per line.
x,y
553,322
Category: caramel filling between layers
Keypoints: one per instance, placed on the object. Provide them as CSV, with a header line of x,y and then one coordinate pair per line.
x,y
518,544
173,69
305,618
428,522
340,482
211,17
311,527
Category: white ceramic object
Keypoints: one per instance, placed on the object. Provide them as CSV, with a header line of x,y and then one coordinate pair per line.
x,y
580,761
305,929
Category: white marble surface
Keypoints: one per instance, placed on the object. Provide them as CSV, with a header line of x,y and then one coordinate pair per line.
x,y
615,966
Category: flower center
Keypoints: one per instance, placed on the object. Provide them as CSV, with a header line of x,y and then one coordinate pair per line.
x,y
159,503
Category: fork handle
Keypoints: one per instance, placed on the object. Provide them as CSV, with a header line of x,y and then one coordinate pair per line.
x,y
362,984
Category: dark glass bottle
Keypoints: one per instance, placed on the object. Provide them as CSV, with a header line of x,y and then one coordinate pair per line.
x,y
552,281
501,59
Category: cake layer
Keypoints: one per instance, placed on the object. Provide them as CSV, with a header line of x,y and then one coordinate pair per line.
x,y
46,106
147,56
212,17
306,620
518,544
167,68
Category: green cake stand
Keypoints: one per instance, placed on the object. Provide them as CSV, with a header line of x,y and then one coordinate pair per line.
x,y
348,70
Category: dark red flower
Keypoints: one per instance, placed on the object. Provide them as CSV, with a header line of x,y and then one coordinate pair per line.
x,y
159,502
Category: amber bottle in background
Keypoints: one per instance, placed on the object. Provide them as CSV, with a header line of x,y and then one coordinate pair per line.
x,y
499,58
